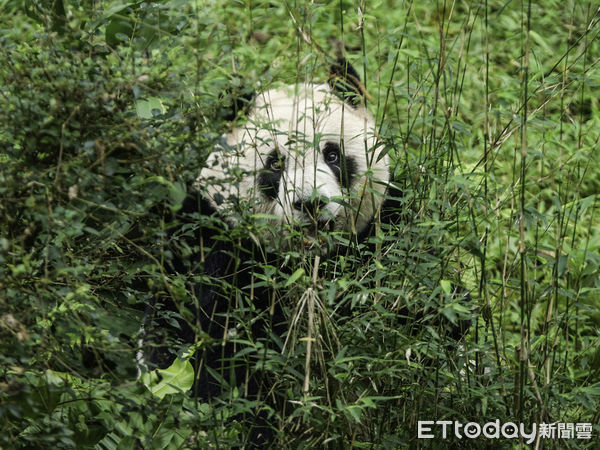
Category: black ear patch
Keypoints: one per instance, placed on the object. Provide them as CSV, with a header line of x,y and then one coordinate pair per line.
x,y
237,99
345,82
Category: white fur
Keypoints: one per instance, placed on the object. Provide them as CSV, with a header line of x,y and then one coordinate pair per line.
x,y
298,120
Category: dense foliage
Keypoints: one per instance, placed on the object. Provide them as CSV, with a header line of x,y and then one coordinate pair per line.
x,y
107,112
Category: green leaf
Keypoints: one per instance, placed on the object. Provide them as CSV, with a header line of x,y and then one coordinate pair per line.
x,y
118,30
150,107
446,286
178,377
297,274
117,9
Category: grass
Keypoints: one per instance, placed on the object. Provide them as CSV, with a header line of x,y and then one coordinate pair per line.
x,y
490,114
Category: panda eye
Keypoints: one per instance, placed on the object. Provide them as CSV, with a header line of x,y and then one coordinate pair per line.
x,y
275,165
332,156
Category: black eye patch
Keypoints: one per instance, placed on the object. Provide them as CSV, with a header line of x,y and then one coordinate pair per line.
x,y
342,166
269,177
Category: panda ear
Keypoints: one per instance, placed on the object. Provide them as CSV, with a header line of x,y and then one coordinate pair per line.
x,y
345,82
236,100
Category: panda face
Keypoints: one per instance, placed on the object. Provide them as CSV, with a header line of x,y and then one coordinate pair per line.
x,y
304,159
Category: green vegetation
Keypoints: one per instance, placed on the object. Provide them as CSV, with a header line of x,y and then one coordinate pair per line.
x,y
107,112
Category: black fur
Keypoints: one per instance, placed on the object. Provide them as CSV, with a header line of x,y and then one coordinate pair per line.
x,y
202,235
345,81
237,99
201,245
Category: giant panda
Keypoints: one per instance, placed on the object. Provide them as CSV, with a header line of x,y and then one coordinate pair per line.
x,y
306,164
306,158
305,173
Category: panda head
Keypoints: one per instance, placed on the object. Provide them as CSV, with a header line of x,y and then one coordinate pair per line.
x,y
308,158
